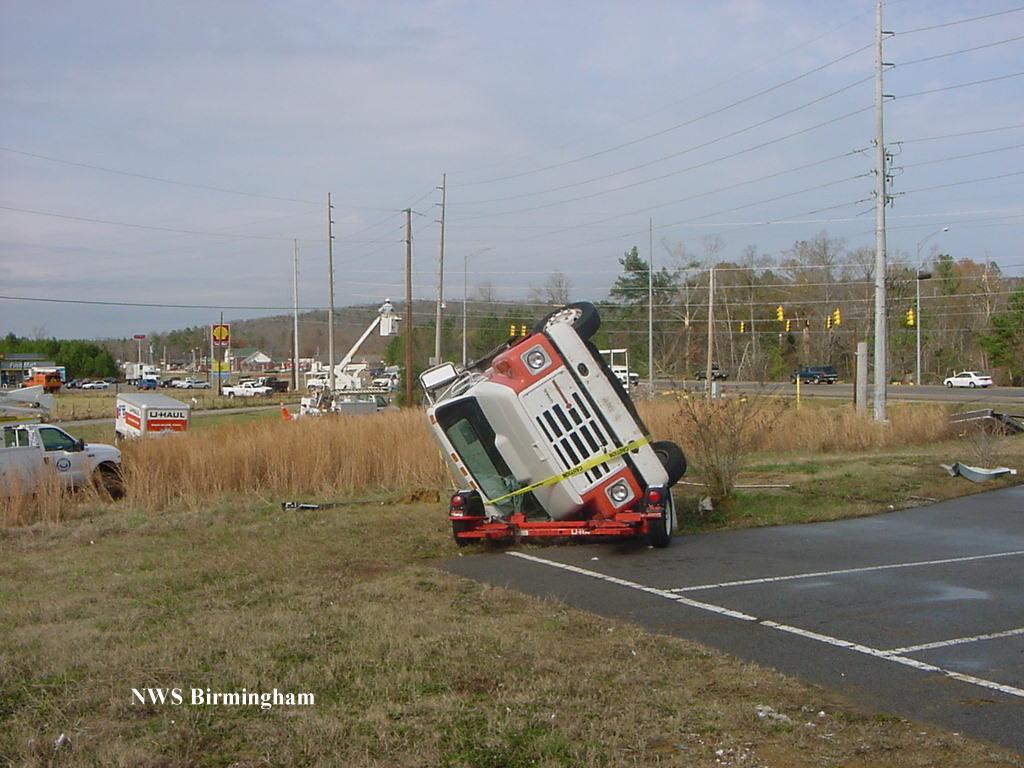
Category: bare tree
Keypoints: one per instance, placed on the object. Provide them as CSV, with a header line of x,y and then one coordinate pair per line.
x,y
555,290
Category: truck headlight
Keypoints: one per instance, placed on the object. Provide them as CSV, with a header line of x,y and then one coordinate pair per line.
x,y
619,492
536,359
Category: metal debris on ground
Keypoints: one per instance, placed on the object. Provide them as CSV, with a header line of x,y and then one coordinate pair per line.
x,y
764,712
977,474
1010,423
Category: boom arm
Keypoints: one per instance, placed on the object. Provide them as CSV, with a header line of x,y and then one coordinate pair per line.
x,y
355,347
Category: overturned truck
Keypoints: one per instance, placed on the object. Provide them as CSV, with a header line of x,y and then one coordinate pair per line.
x,y
544,442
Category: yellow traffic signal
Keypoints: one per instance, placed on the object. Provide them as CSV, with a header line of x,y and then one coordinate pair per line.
x,y
837,317
512,330
779,314
522,331
789,324
743,326
910,317
828,322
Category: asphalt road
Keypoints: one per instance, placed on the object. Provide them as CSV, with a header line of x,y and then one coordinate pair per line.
x,y
918,612
926,392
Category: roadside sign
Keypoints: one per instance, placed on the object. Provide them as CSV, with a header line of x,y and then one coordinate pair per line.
x,y
139,336
221,334
221,366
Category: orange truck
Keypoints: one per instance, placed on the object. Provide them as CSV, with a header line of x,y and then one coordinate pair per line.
x,y
50,381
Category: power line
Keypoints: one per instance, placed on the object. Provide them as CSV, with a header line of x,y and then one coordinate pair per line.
x,y
674,155
160,179
685,123
52,214
975,132
957,53
959,21
962,157
959,85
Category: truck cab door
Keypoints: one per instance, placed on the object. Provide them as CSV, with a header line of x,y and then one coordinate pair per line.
x,y
63,453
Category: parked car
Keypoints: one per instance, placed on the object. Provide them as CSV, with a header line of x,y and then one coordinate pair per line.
x,y
169,383
969,379
814,374
194,384
146,384
96,385
716,373
73,384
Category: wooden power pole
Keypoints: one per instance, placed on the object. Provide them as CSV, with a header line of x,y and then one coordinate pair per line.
x,y
408,307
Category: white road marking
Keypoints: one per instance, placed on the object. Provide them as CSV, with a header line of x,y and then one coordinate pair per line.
x,y
817,574
892,656
958,641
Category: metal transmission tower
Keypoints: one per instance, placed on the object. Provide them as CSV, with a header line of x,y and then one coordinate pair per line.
x,y
330,292
881,199
440,275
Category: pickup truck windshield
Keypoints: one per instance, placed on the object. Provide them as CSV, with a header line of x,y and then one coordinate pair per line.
x,y
55,440
473,439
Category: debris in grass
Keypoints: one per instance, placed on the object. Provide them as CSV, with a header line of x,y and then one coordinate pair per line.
x,y
977,474
706,505
764,712
61,742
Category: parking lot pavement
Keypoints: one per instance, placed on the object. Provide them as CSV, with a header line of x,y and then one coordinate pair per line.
x,y
918,612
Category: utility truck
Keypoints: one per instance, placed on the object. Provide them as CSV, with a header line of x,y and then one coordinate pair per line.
x,y
32,452
543,440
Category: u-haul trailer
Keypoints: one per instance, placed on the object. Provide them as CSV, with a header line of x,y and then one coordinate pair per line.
x,y
141,414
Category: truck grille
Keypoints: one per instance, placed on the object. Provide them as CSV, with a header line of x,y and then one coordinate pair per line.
x,y
575,435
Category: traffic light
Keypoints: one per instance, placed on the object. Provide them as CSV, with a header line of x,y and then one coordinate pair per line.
x,y
743,326
779,314
828,322
910,317
789,325
511,330
837,317
522,331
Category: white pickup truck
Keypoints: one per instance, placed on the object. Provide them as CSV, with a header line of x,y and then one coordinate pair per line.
x,y
30,450
247,389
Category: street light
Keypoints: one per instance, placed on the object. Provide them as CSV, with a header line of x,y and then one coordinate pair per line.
x,y
465,295
922,275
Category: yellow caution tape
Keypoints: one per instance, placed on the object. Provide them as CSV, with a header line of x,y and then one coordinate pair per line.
x,y
577,470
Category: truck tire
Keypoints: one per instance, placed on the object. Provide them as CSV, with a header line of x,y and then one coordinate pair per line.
x,y
586,319
109,480
672,459
659,530
458,526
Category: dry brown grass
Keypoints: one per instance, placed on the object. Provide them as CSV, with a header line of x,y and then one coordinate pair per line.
x,y
323,458
394,452
817,428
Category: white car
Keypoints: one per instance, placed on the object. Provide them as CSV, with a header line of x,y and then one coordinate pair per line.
x,y
970,379
96,385
194,384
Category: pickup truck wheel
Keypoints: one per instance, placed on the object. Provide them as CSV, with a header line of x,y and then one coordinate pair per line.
x,y
231,395
585,318
109,480
458,526
672,459
659,530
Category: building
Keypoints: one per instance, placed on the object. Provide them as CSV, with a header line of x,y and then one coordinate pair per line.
x,y
248,359
16,366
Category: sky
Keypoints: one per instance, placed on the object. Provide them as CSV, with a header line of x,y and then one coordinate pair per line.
x,y
173,153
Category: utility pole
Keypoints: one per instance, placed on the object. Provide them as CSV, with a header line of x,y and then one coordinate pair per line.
x,y
440,275
465,299
330,293
209,367
408,307
650,309
881,347
220,368
711,328
295,313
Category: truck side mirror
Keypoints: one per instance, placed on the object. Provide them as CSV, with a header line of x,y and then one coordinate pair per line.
x,y
80,445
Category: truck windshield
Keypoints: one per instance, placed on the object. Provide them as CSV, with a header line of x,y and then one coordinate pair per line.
x,y
473,439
